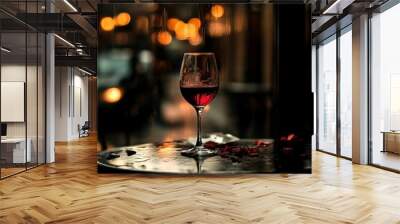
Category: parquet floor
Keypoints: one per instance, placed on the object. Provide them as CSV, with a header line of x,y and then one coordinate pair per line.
x,y
10,171
71,191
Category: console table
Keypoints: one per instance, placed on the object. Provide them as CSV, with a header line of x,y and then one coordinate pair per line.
x,y
13,150
391,141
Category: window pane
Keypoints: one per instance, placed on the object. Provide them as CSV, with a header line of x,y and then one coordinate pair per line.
x,y
327,96
346,94
385,86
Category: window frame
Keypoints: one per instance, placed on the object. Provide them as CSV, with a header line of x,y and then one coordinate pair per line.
x,y
334,37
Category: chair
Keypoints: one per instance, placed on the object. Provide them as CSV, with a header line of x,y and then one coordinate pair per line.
x,y
84,130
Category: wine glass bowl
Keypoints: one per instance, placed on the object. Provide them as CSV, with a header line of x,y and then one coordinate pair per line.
x,y
199,96
199,83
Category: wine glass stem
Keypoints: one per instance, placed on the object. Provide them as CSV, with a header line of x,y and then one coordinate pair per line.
x,y
199,111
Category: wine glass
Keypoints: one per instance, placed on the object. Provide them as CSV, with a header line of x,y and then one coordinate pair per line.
x,y
199,82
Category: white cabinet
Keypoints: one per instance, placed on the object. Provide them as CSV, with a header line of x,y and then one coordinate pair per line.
x,y
19,155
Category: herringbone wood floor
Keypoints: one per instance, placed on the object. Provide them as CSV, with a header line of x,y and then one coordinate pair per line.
x,y
71,191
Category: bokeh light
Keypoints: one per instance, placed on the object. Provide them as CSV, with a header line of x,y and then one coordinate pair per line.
x,y
164,38
181,31
217,29
184,31
196,22
146,57
122,19
196,40
171,23
112,95
217,11
191,30
107,23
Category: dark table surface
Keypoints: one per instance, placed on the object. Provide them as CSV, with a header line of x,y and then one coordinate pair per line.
x,y
165,157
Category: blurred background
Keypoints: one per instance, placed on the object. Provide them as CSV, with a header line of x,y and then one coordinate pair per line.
x,y
141,47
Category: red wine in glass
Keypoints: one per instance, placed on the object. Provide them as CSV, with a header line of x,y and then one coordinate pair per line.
x,y
199,96
199,81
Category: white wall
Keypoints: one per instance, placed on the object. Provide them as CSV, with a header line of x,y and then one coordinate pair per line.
x,y
33,126
80,112
62,82
71,102
12,73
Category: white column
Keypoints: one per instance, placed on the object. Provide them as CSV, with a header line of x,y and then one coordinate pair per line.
x,y
50,92
360,90
50,99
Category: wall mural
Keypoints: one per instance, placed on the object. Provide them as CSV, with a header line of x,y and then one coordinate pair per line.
x,y
205,88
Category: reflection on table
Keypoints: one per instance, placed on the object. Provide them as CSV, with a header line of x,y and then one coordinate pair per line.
x,y
166,157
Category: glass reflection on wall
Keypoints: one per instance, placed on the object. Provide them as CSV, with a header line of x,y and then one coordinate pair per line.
x,y
385,89
327,95
22,91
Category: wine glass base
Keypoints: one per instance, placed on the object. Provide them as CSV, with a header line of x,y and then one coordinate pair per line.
x,y
199,151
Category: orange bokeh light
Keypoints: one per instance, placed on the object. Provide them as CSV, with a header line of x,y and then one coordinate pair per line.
x,y
122,19
216,29
164,38
217,11
112,95
196,40
196,22
171,23
107,23
184,31
191,30
181,31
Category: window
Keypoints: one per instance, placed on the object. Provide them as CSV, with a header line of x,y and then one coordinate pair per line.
x,y
334,106
22,78
346,93
327,96
385,88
